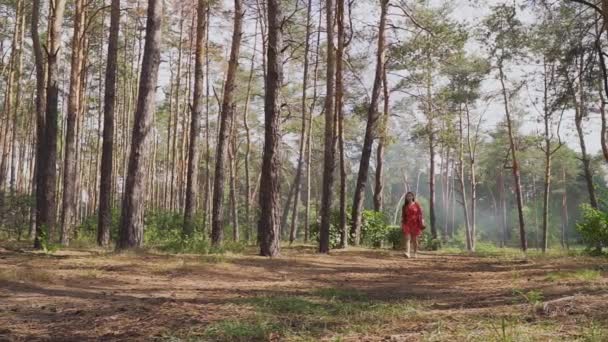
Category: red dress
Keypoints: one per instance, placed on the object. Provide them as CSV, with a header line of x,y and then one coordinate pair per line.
x,y
411,219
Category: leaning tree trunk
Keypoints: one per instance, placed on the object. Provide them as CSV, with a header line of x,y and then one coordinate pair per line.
x,y
227,115
330,134
45,195
269,225
105,183
197,113
372,121
515,164
74,102
131,225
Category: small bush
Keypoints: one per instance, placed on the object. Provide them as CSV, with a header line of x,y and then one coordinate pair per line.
x,y
395,237
375,228
334,230
594,228
15,212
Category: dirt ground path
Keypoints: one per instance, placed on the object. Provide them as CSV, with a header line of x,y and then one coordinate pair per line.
x,y
85,295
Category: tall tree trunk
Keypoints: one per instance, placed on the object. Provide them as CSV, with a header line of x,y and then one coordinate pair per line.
x,y
379,188
339,119
372,126
580,114
176,107
18,66
330,134
269,224
515,163
131,226
503,208
105,183
195,122
303,131
249,232
69,174
472,144
309,142
461,180
45,195
11,108
564,237
227,115
40,117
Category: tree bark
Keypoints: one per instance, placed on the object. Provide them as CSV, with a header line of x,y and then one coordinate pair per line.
x,y
304,128
40,103
195,122
515,163
74,102
339,119
131,226
379,187
461,180
269,224
227,115
330,134
105,183
372,126
47,190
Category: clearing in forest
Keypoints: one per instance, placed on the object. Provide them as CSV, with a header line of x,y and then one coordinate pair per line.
x,y
353,295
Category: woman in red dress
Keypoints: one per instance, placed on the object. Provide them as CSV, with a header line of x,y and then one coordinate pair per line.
x,y
412,223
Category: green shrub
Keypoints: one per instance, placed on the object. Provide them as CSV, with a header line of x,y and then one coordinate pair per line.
x,y
593,228
375,228
334,229
395,237
427,241
15,214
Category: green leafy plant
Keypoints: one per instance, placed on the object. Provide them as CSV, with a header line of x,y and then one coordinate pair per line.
x,y
593,228
375,228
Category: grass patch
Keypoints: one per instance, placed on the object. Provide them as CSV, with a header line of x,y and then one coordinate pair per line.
x,y
332,293
585,275
324,312
594,333
25,275
533,297
238,330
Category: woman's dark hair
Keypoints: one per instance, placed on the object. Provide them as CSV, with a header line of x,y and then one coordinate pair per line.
x,y
409,193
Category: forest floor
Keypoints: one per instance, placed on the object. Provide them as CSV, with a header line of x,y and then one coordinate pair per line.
x,y
353,295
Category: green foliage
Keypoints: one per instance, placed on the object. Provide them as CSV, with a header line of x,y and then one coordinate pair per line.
x,y
164,230
334,229
427,241
15,214
87,231
593,227
45,243
533,297
395,237
375,228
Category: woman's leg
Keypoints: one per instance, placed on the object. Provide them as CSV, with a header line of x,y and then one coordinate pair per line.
x,y
407,245
415,244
